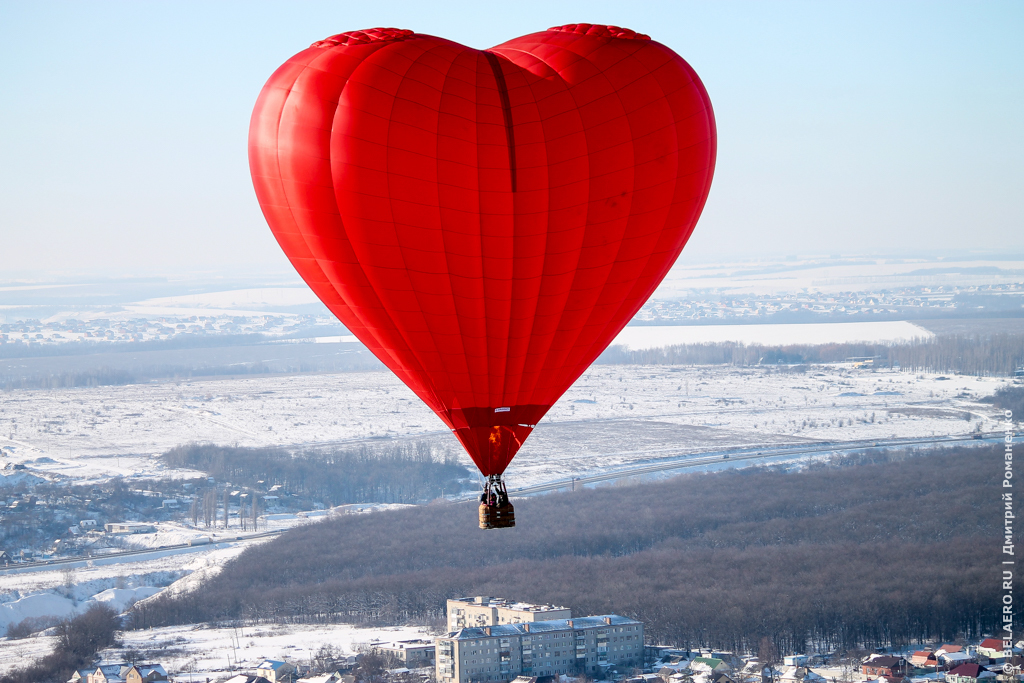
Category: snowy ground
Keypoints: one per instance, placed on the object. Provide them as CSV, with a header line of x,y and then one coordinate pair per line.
x,y
832,275
218,652
613,415
64,591
656,336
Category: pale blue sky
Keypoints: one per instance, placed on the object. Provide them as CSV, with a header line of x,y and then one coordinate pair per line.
x,y
843,127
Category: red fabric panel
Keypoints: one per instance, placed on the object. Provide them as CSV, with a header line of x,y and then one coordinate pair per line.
x,y
485,221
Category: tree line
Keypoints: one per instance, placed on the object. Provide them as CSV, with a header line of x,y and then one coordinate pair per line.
x,y
1010,398
395,473
983,355
78,640
876,550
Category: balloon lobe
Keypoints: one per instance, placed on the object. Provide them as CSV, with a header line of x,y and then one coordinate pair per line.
x,y
484,221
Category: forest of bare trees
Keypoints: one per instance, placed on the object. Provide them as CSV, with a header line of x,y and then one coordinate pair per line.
x,y
77,641
987,355
882,550
1010,398
398,473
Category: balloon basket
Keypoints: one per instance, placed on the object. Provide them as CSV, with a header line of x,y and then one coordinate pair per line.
x,y
496,510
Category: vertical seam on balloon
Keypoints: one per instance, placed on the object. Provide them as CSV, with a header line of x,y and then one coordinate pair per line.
x,y
277,160
518,398
578,252
575,338
277,156
521,365
398,331
487,454
433,387
397,360
506,110
510,143
589,349
451,283
532,391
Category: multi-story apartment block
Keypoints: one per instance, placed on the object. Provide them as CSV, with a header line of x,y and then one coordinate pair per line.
x,y
589,645
413,654
485,611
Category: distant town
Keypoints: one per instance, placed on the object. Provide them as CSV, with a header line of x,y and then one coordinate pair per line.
x,y
904,303
498,640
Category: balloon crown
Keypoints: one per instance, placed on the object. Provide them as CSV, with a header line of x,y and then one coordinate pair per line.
x,y
601,31
369,35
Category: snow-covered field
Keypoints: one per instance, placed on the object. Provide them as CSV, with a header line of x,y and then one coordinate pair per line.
x,y
64,591
614,414
217,653
826,274
656,336
231,302
60,593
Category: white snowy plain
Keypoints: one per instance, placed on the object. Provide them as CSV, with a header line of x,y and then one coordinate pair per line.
x,y
639,337
613,416
91,434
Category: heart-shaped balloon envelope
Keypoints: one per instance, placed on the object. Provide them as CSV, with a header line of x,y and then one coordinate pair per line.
x,y
485,221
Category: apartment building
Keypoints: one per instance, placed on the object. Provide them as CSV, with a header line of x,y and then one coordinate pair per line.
x,y
482,611
589,645
412,653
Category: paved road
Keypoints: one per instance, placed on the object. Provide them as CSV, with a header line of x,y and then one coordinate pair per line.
x,y
680,462
128,555
666,464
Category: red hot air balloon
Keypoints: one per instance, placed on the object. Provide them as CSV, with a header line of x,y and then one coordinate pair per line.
x,y
485,221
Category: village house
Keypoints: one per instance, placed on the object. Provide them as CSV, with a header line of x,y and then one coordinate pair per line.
x,y
128,528
884,665
968,673
800,674
275,670
412,653
334,677
245,678
924,659
670,675
145,673
716,677
122,672
644,678
709,664
673,663
951,659
992,648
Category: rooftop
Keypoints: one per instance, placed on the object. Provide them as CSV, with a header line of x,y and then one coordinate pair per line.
x,y
541,627
487,601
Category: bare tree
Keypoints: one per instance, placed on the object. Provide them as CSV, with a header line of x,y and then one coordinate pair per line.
x,y
768,656
227,506
210,507
255,512
326,658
